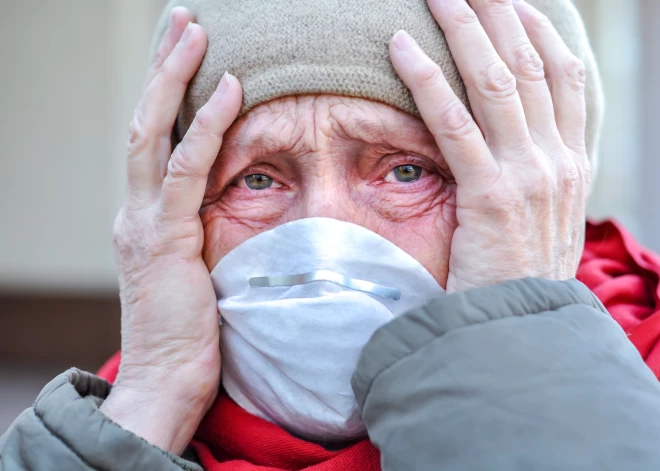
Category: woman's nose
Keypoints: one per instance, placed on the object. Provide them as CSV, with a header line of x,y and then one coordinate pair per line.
x,y
327,198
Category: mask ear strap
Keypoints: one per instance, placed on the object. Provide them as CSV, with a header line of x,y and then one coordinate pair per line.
x,y
326,275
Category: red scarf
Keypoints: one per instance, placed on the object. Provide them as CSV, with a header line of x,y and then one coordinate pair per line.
x,y
624,275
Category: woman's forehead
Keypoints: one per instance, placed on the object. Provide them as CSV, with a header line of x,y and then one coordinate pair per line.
x,y
282,121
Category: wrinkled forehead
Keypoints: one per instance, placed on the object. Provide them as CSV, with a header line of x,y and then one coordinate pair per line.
x,y
302,123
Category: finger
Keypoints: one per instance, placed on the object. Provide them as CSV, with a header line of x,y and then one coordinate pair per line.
x,y
455,132
565,74
191,162
149,142
490,85
508,36
179,19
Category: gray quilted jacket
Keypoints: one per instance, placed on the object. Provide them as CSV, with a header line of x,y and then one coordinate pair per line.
x,y
527,375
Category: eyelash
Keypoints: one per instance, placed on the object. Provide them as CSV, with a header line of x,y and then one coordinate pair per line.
x,y
240,180
405,159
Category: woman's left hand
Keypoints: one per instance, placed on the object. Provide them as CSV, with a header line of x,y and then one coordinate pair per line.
x,y
521,169
170,366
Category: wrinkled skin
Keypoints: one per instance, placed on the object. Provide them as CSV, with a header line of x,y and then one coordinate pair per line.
x,y
499,197
334,157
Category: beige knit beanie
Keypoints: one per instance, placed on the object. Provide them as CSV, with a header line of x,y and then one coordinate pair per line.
x,y
291,47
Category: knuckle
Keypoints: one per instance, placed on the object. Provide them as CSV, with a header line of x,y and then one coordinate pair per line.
x,y
203,120
172,234
569,179
456,122
123,234
575,72
140,237
507,203
583,173
182,165
170,71
162,53
495,7
179,164
540,181
538,21
528,63
495,10
583,164
464,15
497,82
428,77
203,126
137,133
118,233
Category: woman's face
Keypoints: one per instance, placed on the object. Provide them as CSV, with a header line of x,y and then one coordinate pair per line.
x,y
344,158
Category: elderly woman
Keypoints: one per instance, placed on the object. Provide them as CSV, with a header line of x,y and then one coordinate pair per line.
x,y
391,240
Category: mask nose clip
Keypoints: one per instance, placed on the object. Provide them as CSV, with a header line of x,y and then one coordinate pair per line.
x,y
326,275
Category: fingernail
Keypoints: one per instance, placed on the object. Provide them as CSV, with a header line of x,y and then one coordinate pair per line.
x,y
187,32
402,41
224,83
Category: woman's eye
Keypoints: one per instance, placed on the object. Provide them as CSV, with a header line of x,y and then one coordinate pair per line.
x,y
258,181
404,174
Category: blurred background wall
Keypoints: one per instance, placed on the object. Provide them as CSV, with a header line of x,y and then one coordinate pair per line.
x,y
71,73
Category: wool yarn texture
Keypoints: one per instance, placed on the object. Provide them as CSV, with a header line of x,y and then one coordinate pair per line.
x,y
280,48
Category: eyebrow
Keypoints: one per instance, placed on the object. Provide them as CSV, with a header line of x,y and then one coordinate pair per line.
x,y
374,132
364,130
269,143
387,134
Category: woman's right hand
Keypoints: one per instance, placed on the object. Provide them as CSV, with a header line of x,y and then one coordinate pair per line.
x,y
170,367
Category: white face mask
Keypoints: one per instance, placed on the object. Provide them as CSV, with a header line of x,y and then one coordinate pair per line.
x,y
291,338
